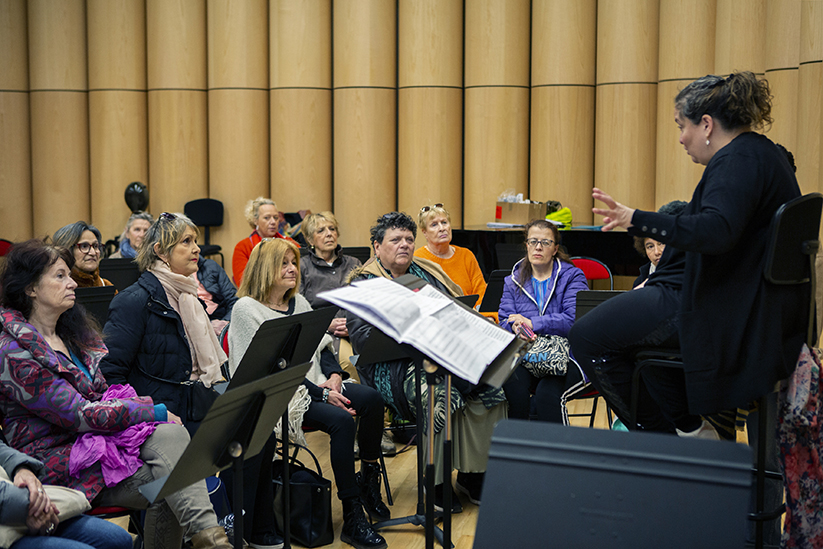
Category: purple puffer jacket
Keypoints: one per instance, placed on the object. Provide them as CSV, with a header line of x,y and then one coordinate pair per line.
x,y
46,402
558,313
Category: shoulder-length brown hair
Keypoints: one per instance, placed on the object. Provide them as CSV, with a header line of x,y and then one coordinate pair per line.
x,y
524,273
264,270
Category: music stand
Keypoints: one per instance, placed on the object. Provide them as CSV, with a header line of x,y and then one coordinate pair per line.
x,y
293,338
494,291
96,301
277,344
237,425
381,348
120,271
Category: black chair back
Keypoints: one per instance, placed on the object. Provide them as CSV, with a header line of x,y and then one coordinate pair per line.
x,y
794,242
206,213
508,254
363,253
494,291
121,272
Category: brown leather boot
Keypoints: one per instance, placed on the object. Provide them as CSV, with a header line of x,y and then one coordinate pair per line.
x,y
211,538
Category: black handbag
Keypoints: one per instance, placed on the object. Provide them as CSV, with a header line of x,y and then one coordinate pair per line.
x,y
200,398
310,500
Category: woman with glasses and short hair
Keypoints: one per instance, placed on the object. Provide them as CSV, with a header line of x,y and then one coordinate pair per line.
x,y
84,242
539,298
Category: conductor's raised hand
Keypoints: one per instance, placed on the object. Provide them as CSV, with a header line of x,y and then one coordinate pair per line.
x,y
614,214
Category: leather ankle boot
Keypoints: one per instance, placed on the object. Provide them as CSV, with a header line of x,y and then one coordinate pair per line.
x,y
356,529
211,538
369,478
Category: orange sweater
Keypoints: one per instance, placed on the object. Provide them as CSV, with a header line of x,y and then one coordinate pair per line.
x,y
242,251
463,269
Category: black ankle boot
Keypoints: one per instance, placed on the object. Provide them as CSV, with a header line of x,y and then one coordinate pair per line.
x,y
369,480
356,529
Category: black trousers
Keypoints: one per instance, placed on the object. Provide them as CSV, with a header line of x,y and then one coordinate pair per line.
x,y
341,427
604,340
547,392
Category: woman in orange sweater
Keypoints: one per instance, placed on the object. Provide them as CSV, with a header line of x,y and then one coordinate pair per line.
x,y
459,263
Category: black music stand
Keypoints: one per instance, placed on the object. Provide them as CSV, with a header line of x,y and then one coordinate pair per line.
x,y
381,348
494,291
277,344
237,425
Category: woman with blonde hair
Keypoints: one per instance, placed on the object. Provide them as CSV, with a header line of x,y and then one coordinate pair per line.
x,y
262,215
133,235
323,401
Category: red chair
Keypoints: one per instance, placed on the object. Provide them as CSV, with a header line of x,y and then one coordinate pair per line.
x,y
5,246
594,269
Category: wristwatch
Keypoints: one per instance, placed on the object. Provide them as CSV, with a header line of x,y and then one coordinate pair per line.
x,y
326,392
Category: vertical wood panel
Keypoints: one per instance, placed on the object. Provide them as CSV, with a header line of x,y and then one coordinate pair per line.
x,y
430,107
741,25
59,113
782,58
178,142
810,96
118,118
365,110
300,104
15,140
676,174
238,111
562,103
364,160
627,33
497,105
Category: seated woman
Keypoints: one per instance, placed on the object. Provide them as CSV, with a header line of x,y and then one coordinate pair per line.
x,y
132,238
325,268
475,409
262,215
459,263
24,503
651,248
83,240
158,332
269,290
52,394
541,293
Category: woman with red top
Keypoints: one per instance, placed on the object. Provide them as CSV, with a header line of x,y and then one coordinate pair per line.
x,y
262,215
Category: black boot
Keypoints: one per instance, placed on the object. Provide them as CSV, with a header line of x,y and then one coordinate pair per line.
x,y
356,529
369,480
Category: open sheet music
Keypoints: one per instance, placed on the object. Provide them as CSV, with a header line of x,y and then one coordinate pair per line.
x,y
463,342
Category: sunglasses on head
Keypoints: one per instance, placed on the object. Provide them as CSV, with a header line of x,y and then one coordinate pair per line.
x,y
425,209
167,216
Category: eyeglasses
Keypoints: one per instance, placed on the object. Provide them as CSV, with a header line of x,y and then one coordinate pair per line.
x,y
424,209
533,242
85,247
167,216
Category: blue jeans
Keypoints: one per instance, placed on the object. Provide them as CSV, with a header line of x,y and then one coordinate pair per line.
x,y
81,532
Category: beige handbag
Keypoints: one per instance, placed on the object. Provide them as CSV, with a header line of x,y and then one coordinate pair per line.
x,y
69,502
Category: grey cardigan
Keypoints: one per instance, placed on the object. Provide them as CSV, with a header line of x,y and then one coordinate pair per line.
x,y
14,501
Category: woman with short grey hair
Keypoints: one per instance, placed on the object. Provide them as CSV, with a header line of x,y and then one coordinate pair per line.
x,y
133,235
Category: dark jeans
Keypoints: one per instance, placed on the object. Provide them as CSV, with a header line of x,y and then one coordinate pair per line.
x,y
83,532
258,492
604,340
547,392
341,427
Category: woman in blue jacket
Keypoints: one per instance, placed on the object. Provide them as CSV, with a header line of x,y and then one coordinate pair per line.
x,y
540,295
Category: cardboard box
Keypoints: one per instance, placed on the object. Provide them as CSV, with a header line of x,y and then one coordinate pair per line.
x,y
519,214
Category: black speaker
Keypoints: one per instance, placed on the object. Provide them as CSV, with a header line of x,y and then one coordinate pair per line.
x,y
548,485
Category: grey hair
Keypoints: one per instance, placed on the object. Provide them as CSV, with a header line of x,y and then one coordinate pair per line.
x,y
253,208
68,236
392,220
167,233
145,216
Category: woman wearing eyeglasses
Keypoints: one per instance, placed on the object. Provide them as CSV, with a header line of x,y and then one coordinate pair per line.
x,y
459,263
84,242
539,298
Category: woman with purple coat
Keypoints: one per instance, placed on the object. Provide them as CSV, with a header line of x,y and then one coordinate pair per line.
x,y
540,297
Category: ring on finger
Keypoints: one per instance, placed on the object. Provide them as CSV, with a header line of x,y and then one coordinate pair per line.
x,y
50,529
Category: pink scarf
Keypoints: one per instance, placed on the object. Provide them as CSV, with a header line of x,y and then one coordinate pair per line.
x,y
206,353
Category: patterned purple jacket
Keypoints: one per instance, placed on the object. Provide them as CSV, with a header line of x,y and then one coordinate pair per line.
x,y
46,402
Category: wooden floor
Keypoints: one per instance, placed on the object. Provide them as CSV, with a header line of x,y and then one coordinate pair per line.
x,y
403,478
